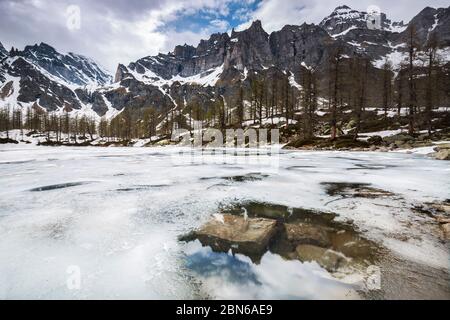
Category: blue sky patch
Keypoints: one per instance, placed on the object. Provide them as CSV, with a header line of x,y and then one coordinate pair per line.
x,y
214,20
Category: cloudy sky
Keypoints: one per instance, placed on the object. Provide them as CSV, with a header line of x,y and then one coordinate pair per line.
x,y
113,31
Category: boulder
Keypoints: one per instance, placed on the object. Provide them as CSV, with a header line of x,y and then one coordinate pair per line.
x,y
443,146
164,142
407,146
247,236
443,154
375,140
326,258
301,233
392,146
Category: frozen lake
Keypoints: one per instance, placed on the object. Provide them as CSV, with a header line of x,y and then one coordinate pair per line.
x,y
114,215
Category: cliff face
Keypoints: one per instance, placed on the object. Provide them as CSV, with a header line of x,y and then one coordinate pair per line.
x,y
215,69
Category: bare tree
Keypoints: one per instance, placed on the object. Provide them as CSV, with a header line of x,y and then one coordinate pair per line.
x,y
308,97
412,50
240,106
334,85
432,60
387,86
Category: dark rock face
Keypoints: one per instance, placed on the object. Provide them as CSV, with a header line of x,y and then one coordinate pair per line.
x,y
36,87
137,95
250,49
3,55
293,45
185,60
95,98
429,21
3,52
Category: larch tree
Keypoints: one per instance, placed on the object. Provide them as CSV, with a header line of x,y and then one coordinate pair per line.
x,y
430,91
387,86
413,47
240,106
308,98
334,87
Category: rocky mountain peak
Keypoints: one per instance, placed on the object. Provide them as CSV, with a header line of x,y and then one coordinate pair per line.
x,y
345,12
431,20
215,41
184,52
42,49
256,25
72,69
342,19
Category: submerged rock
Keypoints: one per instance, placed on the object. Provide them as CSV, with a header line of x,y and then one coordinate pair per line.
x,y
326,258
246,236
301,233
293,233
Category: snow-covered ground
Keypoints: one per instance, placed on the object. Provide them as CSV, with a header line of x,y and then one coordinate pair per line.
x,y
114,214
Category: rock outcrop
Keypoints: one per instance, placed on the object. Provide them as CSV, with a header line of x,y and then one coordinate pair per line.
x,y
247,236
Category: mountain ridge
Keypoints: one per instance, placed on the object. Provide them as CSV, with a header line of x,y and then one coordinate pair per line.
x,y
209,72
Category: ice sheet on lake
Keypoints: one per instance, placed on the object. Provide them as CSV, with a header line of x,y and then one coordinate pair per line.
x,y
125,243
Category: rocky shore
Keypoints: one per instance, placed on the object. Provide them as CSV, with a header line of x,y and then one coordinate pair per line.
x,y
397,142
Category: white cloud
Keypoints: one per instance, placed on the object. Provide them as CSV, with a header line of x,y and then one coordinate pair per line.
x,y
121,31
220,25
111,32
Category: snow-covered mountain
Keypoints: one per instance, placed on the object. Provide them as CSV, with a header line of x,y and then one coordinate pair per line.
x,y
213,70
41,77
72,69
344,19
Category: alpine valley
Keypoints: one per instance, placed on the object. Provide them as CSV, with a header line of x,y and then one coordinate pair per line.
x,y
251,77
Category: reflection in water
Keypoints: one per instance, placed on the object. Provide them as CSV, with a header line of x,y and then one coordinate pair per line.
x,y
237,277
